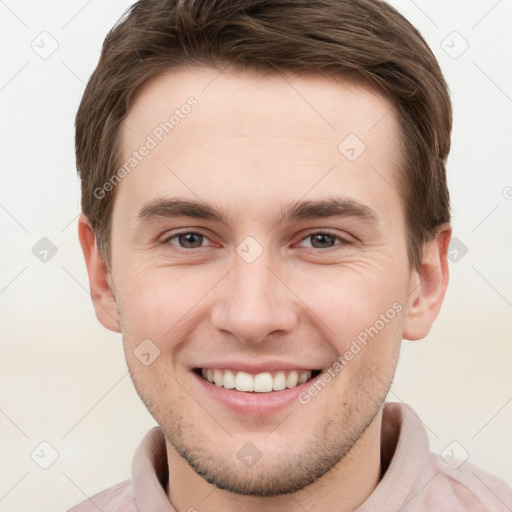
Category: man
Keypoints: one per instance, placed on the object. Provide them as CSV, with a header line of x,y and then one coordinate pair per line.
x,y
265,218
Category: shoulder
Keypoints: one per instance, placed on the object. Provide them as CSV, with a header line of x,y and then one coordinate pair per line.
x,y
118,498
468,487
417,479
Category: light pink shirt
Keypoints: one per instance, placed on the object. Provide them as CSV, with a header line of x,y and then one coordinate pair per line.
x,y
415,480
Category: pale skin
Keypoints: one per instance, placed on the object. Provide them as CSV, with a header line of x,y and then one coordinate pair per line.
x,y
253,146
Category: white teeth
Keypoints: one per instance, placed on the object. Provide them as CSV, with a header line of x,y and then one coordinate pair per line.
x,y
263,382
217,377
304,376
244,382
279,381
292,379
259,383
229,379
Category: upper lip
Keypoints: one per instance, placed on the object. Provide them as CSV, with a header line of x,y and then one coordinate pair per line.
x,y
252,367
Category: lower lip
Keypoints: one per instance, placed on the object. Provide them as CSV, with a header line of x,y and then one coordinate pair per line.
x,y
252,403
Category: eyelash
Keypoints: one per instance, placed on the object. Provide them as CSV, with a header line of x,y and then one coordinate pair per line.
x,y
343,241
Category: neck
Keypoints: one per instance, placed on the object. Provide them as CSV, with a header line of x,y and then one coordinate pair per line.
x,y
342,489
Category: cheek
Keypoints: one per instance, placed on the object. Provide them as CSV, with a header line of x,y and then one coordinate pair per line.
x,y
367,339
349,300
160,303
362,317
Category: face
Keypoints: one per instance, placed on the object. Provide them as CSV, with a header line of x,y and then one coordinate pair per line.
x,y
260,237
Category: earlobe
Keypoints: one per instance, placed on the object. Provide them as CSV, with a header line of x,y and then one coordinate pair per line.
x,y
102,295
428,286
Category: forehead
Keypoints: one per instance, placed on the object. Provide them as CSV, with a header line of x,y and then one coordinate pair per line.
x,y
244,139
250,104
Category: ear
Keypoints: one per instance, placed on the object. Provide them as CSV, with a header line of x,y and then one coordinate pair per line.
x,y
428,286
102,295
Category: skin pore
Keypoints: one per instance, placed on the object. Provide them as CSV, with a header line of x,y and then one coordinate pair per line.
x,y
253,150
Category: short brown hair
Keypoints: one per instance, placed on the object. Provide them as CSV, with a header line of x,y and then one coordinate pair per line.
x,y
367,39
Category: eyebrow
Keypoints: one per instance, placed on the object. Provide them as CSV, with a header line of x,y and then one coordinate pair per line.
x,y
300,210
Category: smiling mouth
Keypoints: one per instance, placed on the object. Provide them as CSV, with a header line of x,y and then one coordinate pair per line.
x,y
256,383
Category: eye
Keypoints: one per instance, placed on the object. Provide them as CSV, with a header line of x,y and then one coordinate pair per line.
x,y
186,240
193,240
325,240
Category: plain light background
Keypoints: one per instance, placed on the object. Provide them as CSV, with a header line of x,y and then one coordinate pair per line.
x,y
63,377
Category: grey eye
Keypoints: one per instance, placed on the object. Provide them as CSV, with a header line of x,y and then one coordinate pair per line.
x,y
189,240
323,239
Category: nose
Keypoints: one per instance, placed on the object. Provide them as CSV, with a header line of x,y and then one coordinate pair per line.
x,y
253,302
